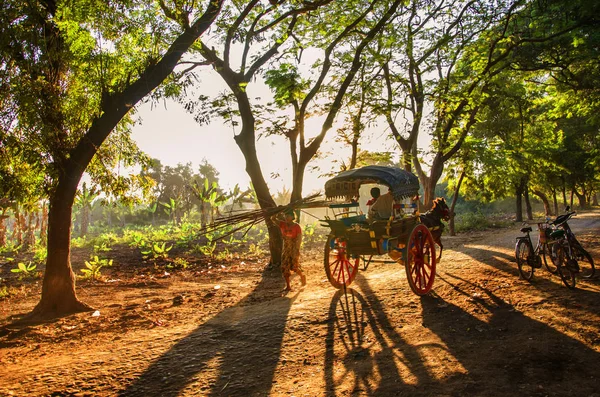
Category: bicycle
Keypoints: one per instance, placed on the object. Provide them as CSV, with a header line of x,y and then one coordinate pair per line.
x,y
584,259
566,263
529,258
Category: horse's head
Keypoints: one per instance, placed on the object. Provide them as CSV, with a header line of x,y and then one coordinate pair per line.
x,y
440,207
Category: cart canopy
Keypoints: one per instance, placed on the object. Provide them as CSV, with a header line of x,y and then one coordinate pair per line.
x,y
402,183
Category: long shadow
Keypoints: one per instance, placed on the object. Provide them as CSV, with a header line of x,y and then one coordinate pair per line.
x,y
234,353
375,368
497,259
544,282
522,356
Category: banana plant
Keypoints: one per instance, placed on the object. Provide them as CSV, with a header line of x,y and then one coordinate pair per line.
x,y
171,209
84,200
208,194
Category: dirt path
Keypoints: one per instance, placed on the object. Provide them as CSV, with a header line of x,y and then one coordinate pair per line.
x,y
483,331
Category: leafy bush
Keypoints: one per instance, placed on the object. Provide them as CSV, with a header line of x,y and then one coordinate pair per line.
x,y
470,221
156,250
40,254
26,270
94,265
178,263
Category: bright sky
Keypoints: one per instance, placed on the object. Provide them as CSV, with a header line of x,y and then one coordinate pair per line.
x,y
171,135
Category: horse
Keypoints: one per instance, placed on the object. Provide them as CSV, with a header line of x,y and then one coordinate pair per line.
x,y
433,220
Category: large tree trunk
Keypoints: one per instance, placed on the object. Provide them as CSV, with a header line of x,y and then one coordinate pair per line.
x,y
453,204
246,142
544,198
58,287
595,199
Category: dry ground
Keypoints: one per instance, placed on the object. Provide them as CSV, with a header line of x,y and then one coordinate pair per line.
x,y
481,332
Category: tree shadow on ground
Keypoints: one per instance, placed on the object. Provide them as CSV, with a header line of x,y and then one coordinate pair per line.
x,y
543,281
523,356
365,354
234,353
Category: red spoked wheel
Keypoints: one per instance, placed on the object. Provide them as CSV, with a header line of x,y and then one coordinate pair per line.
x,y
339,267
420,260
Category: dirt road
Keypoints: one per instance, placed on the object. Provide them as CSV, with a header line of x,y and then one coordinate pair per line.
x,y
481,332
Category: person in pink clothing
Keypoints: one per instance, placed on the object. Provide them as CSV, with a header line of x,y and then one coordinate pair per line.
x,y
290,257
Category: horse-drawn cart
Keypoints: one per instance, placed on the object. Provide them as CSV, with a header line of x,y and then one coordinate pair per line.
x,y
401,236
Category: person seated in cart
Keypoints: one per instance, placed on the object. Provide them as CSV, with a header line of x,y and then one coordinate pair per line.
x,y
375,193
382,208
290,257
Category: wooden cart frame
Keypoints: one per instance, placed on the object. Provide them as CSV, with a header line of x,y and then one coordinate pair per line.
x,y
402,236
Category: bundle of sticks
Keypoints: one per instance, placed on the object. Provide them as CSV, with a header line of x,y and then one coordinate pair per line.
x,y
244,220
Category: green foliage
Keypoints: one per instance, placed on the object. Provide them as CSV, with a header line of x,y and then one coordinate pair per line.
x,y
40,254
287,84
209,248
25,270
156,250
255,249
4,293
134,238
93,266
178,263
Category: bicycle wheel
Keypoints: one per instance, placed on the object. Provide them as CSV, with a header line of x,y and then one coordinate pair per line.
x,y
523,254
586,263
549,259
566,275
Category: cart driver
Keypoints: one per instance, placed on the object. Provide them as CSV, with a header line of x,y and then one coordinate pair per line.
x,y
382,208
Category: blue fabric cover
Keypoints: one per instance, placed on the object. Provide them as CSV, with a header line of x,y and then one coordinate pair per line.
x,y
346,184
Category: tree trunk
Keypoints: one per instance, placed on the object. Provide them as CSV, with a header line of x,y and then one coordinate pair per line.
x,y
583,203
544,198
571,197
528,208
58,288
17,234
453,204
429,184
595,199
44,226
2,230
246,142
555,199
564,193
29,229
519,193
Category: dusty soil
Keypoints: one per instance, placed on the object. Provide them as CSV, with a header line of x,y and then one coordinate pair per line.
x,y
228,331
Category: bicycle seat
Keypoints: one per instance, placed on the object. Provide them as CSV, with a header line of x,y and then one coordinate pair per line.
x,y
526,229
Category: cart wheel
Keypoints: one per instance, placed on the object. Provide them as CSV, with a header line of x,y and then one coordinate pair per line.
x,y
420,260
340,268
